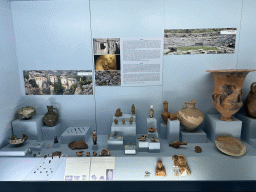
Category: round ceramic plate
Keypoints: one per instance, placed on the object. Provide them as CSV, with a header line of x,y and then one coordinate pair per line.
x,y
230,145
26,112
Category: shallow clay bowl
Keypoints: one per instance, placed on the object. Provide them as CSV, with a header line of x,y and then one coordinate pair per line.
x,y
26,112
151,129
230,145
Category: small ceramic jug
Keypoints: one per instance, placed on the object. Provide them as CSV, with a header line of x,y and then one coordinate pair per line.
x,y
250,102
190,117
51,118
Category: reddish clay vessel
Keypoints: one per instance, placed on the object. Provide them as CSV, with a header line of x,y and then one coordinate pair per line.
x,y
250,102
227,95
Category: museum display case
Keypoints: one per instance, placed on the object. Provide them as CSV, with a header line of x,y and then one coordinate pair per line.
x,y
122,91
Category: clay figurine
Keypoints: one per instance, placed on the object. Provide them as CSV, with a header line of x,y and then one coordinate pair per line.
x,y
78,145
18,142
160,169
151,112
227,95
151,129
56,153
108,136
165,114
123,120
133,109
116,121
181,162
80,153
198,149
115,134
153,139
56,140
104,152
131,120
190,117
94,153
143,137
51,118
118,112
94,137
250,102
176,144
174,116
87,153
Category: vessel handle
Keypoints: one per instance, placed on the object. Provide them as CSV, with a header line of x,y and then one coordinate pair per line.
x,y
56,110
183,105
252,86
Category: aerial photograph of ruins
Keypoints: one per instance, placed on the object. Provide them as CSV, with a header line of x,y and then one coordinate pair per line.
x,y
58,82
199,41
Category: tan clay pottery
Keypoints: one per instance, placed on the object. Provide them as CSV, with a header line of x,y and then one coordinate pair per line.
x,y
51,118
26,112
79,153
176,144
133,109
227,95
160,169
104,152
165,114
18,142
190,117
118,112
153,139
174,116
151,129
151,112
181,162
250,102
230,145
143,137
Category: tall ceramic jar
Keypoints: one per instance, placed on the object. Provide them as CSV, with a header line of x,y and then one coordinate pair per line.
x,y
190,117
165,114
51,118
250,102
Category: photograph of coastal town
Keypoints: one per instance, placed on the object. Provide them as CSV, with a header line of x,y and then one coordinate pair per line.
x,y
199,41
58,82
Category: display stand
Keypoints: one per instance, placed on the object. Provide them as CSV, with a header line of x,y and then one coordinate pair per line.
x,y
216,127
50,132
95,147
75,134
154,147
115,143
143,146
55,145
198,136
126,117
248,129
163,131
173,130
37,146
151,122
31,127
130,150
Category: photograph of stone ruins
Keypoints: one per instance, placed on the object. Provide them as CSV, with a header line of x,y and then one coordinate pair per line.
x,y
199,41
60,82
106,46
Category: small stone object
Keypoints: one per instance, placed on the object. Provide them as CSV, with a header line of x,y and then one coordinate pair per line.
x,y
131,120
151,112
176,144
133,109
198,149
56,139
116,121
79,153
94,153
123,120
151,129
115,134
160,169
181,162
118,112
78,145
104,152
87,153
153,139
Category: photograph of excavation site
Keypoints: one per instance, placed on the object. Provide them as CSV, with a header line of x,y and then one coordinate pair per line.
x,y
199,41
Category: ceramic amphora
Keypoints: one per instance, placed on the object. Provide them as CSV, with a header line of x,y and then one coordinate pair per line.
x,y
250,102
190,117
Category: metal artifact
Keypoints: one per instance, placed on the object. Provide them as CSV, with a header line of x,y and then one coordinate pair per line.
x,y
227,95
160,169
198,149
133,109
51,118
230,145
118,112
104,152
174,116
181,162
165,114
176,144
18,141
26,112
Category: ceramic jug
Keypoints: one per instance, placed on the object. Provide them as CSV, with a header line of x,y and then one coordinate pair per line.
x,y
51,118
165,114
250,102
190,117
